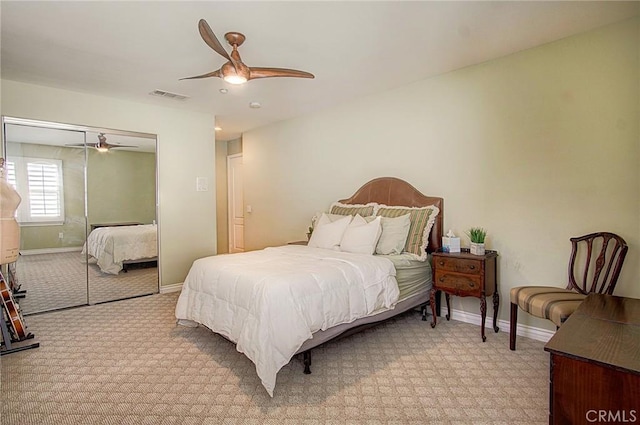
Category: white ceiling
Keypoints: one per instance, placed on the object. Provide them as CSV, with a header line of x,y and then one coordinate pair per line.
x,y
129,49
59,137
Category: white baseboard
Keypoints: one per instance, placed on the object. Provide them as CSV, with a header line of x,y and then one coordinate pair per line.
x,y
50,250
176,287
538,334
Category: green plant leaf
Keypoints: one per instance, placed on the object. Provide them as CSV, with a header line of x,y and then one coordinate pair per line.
x,y
477,234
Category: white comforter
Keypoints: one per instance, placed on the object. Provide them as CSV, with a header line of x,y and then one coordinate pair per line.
x,y
269,302
110,246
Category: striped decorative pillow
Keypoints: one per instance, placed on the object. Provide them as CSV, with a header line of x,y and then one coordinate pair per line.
x,y
422,219
364,210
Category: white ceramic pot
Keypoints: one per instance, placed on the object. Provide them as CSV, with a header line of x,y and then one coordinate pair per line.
x,y
476,248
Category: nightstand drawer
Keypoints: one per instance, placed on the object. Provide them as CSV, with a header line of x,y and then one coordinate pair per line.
x,y
459,265
459,284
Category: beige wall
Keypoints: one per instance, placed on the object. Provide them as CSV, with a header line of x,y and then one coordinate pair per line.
x,y
221,198
185,151
536,147
121,187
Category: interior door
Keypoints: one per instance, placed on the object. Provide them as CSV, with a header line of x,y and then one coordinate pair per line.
x,y
236,203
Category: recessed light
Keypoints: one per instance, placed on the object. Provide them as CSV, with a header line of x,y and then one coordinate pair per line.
x,y
217,128
254,105
223,91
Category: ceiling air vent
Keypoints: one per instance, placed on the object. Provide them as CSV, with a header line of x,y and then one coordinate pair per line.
x,y
168,95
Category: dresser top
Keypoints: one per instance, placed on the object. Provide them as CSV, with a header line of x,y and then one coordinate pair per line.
x,y
605,329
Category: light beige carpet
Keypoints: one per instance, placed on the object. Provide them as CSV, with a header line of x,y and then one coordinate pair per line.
x,y
59,280
127,362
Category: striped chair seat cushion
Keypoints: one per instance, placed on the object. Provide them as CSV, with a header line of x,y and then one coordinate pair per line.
x,y
555,304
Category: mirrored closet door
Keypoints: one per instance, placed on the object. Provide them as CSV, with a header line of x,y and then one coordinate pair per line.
x,y
88,230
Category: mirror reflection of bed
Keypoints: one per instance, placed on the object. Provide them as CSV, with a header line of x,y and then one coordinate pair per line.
x,y
94,188
122,260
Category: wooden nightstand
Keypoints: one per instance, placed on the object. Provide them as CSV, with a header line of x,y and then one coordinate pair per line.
x,y
466,275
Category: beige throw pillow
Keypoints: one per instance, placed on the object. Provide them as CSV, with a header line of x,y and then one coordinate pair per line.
x,y
394,234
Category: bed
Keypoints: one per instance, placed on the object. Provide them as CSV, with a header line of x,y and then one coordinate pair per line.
x,y
282,301
115,247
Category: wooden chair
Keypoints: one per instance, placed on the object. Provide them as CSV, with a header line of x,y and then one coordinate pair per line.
x,y
594,266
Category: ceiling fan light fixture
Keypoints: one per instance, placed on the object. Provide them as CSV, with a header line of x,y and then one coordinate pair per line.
x,y
101,148
235,79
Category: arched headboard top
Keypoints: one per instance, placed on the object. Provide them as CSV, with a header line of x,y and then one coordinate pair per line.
x,y
393,191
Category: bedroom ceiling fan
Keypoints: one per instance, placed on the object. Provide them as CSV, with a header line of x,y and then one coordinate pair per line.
x,y
101,145
234,71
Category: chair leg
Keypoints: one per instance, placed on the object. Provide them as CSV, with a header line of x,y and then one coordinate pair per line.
x,y
512,326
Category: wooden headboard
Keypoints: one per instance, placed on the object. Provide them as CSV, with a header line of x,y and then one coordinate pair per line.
x,y
396,192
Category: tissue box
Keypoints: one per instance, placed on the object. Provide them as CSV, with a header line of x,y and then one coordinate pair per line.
x,y
450,244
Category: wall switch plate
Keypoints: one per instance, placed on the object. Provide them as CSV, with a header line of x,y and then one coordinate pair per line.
x,y
202,184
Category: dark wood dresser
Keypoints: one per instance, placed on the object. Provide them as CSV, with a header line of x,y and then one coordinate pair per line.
x,y
595,363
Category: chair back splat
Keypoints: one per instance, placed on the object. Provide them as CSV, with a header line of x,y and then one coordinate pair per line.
x,y
602,255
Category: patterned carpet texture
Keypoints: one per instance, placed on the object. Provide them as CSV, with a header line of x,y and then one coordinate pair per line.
x,y
127,362
55,281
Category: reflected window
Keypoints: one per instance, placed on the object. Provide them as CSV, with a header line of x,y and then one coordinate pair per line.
x,y
40,182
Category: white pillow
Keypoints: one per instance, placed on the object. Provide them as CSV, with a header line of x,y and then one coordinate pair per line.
x,y
328,234
332,217
422,219
361,237
394,234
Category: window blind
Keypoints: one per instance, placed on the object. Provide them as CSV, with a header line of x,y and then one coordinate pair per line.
x,y
44,187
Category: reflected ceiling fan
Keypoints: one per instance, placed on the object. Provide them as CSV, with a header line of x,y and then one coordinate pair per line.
x,y
235,71
102,145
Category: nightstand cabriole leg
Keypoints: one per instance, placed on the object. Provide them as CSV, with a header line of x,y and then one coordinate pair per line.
x,y
496,304
446,296
432,301
483,313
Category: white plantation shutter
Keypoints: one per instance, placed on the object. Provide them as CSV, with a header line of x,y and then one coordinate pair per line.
x,y
44,190
39,182
10,168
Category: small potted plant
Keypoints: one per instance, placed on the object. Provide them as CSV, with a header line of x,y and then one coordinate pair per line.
x,y
477,236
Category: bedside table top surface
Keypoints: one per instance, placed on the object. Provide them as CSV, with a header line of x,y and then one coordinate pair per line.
x,y
466,254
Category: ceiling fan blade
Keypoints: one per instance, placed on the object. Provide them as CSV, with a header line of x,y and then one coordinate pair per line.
x,y
277,72
208,74
77,145
210,38
212,41
121,146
